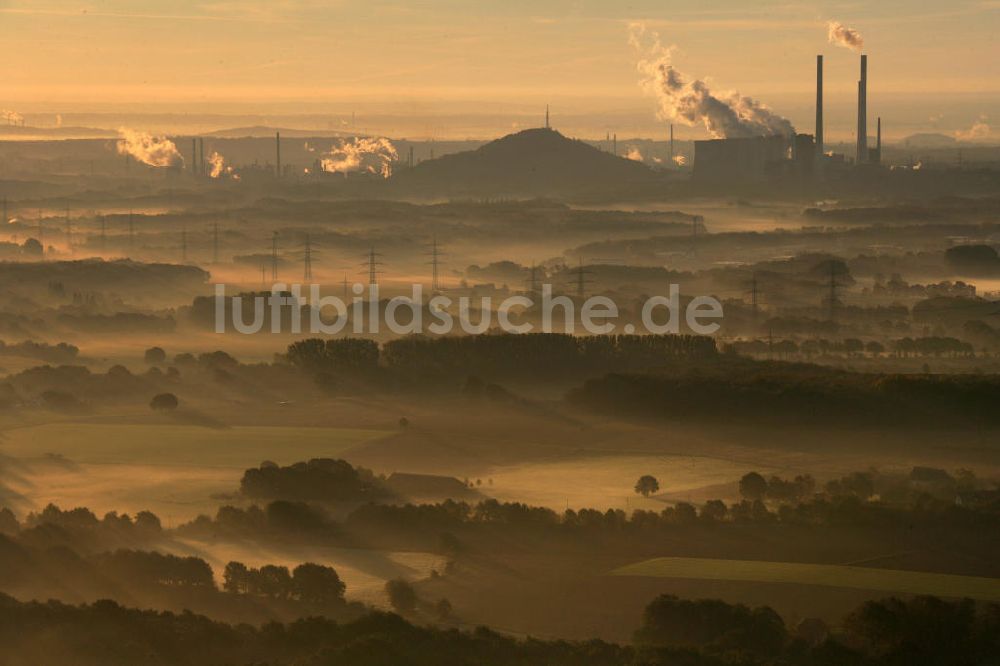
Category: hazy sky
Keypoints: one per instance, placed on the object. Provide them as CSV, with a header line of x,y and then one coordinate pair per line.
x,y
514,51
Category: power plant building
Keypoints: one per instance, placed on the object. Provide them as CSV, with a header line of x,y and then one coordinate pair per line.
x,y
753,159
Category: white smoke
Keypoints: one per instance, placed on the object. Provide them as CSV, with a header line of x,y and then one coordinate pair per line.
x,y
727,115
633,154
979,130
680,160
157,151
841,35
374,155
218,167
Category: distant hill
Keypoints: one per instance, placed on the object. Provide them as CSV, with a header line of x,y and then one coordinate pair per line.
x,y
17,133
262,131
532,163
929,140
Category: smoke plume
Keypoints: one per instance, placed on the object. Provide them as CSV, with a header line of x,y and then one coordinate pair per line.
x,y
157,151
634,154
218,165
979,130
692,102
680,160
374,155
841,35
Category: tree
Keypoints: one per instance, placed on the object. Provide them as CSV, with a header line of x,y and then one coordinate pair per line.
x,y
672,622
442,609
317,584
402,596
647,485
236,578
753,486
166,402
33,247
155,355
714,510
274,581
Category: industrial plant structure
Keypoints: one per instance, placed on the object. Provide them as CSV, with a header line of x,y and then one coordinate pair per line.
x,y
748,160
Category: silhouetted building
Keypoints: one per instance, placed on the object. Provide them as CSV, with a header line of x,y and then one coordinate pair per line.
x,y
743,160
754,159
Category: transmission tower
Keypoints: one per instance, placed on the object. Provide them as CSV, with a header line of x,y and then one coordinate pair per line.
x,y
532,279
435,262
307,270
372,263
69,233
274,256
582,278
833,291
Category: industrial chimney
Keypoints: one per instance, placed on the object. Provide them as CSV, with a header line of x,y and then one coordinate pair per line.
x,y
819,108
862,155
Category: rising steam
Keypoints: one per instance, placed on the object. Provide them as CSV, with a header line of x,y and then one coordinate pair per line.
x,y
979,130
634,154
219,168
691,102
841,35
374,155
157,151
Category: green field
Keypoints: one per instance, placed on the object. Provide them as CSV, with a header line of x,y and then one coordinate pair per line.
x,y
829,575
156,444
176,471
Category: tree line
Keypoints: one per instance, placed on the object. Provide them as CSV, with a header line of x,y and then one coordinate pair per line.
x,y
673,632
493,355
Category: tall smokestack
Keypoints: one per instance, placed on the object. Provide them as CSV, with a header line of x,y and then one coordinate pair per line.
x,y
862,155
277,150
877,159
819,108
194,155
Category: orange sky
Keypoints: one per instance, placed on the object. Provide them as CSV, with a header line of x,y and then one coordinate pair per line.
x,y
264,51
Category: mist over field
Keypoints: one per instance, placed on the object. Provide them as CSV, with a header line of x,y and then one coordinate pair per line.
x,y
564,335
